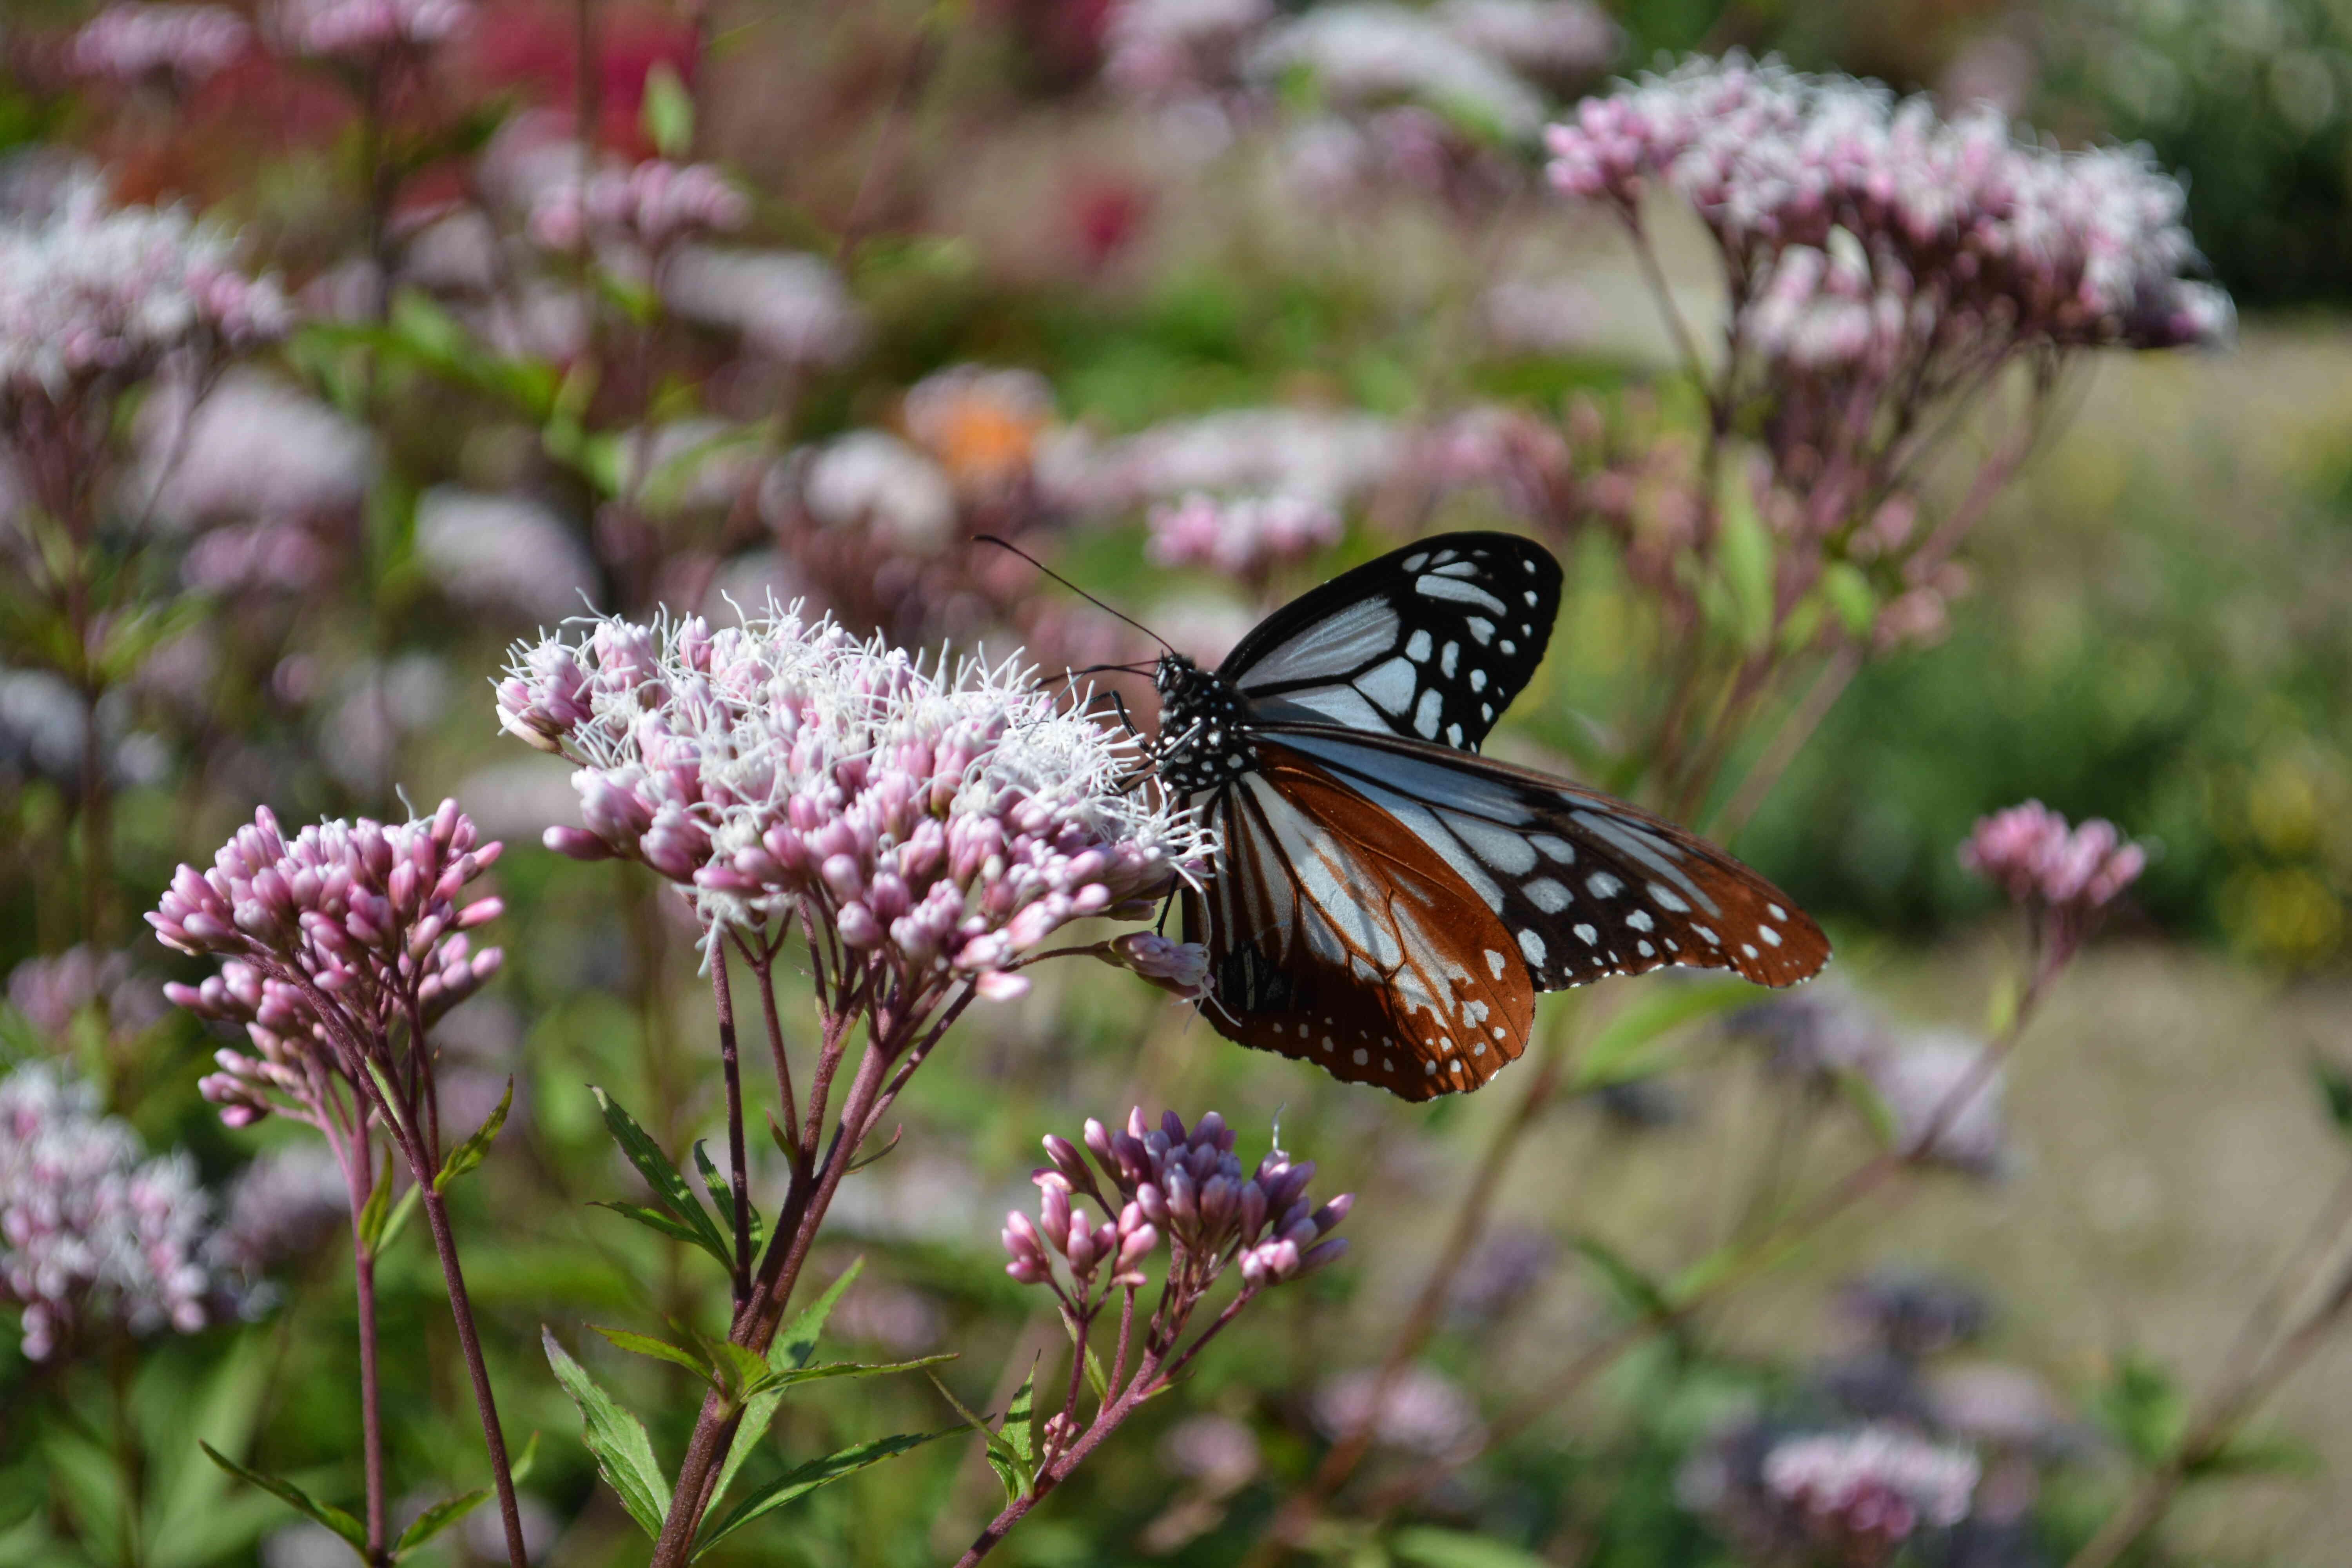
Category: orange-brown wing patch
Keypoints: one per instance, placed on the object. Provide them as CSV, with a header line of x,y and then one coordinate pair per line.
x,y
1339,940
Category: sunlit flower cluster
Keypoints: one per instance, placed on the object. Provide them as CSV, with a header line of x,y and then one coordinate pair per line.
x,y
88,290
135,42
944,821
92,1232
654,205
1242,537
1864,227
1876,1485
332,939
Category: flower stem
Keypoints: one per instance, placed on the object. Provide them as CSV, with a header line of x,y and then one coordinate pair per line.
x,y
723,998
461,1308
357,1180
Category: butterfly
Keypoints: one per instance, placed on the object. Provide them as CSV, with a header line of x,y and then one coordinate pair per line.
x,y
1385,903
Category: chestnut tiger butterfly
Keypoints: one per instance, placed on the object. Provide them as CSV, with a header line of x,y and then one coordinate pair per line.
x,y
1385,903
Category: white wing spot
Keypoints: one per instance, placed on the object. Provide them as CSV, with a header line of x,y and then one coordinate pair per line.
x,y
1417,646
1639,919
1558,849
1415,563
1477,681
1453,735
1667,899
1777,912
1387,1065
1458,592
1459,569
1481,628
1530,597
1645,949
1509,646
1603,885
1772,938
1495,962
1712,939
1362,1056
1532,945
1748,948
1429,1069
1424,718
1587,935
1445,660
1672,946
1391,685
1547,895
1327,1042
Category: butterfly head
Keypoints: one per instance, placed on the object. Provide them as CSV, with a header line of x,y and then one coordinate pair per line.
x,y
1204,728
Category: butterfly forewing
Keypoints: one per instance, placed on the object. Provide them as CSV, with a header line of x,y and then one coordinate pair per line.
x,y
1586,884
1431,641
1335,939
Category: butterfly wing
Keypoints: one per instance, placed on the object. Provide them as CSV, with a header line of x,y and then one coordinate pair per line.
x,y
1336,939
1430,641
1584,885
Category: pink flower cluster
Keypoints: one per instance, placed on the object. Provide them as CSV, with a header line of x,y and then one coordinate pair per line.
x,y
92,1232
331,938
90,290
1873,1486
1180,968
2036,858
1185,1186
656,204
363,30
940,822
1859,223
52,991
1243,537
135,42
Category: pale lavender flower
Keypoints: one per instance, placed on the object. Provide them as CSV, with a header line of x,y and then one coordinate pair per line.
x,y
1217,1451
502,552
1368,52
52,991
1421,1412
1875,1486
332,941
1244,536
1551,40
92,1232
184,44
872,480
789,305
1944,1102
363,31
654,205
2064,878
939,824
1317,456
1176,48
286,1202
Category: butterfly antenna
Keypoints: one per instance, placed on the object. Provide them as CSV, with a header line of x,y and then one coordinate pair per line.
x,y
1072,587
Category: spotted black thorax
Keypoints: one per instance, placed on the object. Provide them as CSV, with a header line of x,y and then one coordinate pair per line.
x,y
1204,728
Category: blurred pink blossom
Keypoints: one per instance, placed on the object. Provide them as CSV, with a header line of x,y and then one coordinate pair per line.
x,y
2031,854
362,30
187,45
654,205
1243,537
1871,1487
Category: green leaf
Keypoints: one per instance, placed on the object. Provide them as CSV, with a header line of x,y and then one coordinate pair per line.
x,y
824,1369
1621,1052
2143,1409
667,112
805,1479
1849,595
723,1192
328,1514
471,1153
1429,1547
402,1213
660,1350
436,1518
1020,1426
2256,1457
999,1451
797,1345
669,1188
1743,555
623,1454
376,1210
655,1219
524,1463
1641,1294
2334,1086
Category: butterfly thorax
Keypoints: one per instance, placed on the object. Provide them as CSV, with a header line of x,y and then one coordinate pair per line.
x,y
1204,729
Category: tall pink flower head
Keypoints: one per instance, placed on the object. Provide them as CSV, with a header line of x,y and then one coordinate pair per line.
x,y
2031,853
184,45
941,821
332,940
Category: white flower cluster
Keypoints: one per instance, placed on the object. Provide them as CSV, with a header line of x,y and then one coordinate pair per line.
x,y
1873,1482
91,1230
942,821
88,290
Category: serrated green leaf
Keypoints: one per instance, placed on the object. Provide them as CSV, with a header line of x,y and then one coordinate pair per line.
x,y
723,1192
1426,1546
805,1479
797,1345
616,1439
653,1219
997,1451
667,111
660,1350
832,1369
669,1188
465,1156
1620,1051
436,1518
1020,1427
328,1514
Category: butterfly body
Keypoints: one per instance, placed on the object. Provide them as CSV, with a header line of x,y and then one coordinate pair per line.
x,y
1385,903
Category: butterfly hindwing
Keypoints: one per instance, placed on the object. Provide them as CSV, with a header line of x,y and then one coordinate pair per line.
x,y
1336,940
1430,641
1585,885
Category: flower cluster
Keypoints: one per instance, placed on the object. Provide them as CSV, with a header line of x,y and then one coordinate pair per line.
x,y
365,30
92,1232
1243,537
1865,226
332,940
654,205
52,991
2064,878
88,290
941,821
1188,1186
184,44
1871,1487
1180,968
